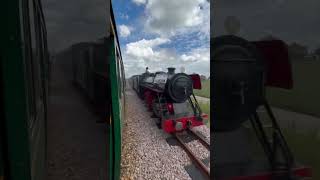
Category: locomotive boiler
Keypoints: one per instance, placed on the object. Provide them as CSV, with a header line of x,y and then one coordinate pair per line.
x,y
170,97
242,70
176,88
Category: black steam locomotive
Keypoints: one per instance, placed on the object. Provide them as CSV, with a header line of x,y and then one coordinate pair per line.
x,y
241,72
170,97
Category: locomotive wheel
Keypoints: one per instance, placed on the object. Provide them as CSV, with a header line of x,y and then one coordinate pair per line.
x,y
156,107
156,112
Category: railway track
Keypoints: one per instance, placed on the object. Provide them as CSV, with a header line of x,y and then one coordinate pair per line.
x,y
197,161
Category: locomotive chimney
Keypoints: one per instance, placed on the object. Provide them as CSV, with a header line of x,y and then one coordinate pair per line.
x,y
171,70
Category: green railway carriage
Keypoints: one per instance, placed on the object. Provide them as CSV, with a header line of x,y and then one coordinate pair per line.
x,y
97,69
24,91
118,85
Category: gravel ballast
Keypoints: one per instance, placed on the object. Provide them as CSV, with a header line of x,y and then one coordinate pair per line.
x,y
145,151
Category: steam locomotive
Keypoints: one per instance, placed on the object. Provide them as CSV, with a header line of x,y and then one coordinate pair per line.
x,y
242,70
170,97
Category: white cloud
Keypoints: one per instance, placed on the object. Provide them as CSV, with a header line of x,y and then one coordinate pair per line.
x,y
144,48
139,2
187,22
197,55
124,30
147,53
168,17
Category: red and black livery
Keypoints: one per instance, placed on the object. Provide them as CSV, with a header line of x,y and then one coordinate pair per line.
x,y
170,97
242,70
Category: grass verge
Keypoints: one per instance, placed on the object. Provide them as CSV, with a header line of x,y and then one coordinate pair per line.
x,y
305,93
205,91
306,148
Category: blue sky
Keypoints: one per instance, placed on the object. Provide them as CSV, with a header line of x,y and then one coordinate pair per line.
x,y
162,33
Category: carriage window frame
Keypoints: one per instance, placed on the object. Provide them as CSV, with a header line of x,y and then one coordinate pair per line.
x,y
33,59
43,51
30,47
119,71
123,76
26,49
39,55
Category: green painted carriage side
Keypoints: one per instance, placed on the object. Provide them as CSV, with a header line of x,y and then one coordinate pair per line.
x,y
115,140
14,93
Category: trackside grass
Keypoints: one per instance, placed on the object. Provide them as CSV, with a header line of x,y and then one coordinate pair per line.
x,y
305,95
205,91
306,148
205,107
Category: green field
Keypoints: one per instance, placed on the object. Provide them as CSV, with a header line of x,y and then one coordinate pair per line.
x,y
306,148
305,95
303,98
205,91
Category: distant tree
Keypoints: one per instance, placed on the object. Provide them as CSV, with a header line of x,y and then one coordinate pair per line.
x,y
316,54
317,51
203,77
269,37
297,51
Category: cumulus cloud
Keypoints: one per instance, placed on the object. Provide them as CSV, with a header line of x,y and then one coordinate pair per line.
x,y
125,31
197,55
139,2
147,53
144,48
175,33
168,17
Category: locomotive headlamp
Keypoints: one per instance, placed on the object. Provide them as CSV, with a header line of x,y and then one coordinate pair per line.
x,y
178,126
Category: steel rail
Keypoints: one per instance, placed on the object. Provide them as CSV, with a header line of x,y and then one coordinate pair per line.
x,y
201,139
196,160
